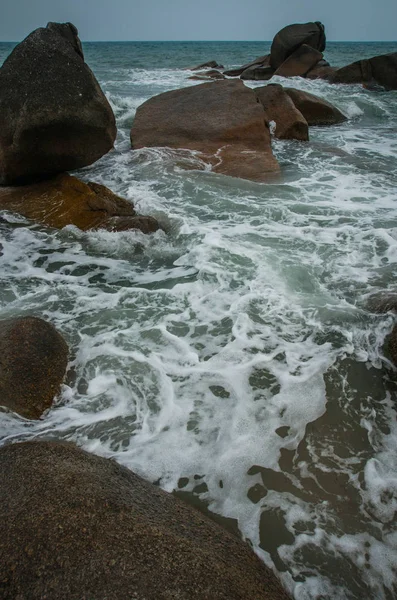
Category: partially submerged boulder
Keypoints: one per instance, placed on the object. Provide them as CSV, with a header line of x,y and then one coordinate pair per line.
x,y
210,64
79,526
316,111
320,72
257,73
260,61
290,123
300,62
53,114
33,360
65,200
208,75
292,37
380,69
221,120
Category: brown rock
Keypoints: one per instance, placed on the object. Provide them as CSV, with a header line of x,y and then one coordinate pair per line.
x,y
315,110
53,114
381,70
321,72
33,360
221,120
290,123
144,224
257,73
300,62
292,37
208,75
79,527
65,200
211,64
261,61
383,302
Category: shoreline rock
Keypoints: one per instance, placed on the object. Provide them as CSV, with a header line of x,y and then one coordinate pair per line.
x,y
81,526
33,363
54,116
65,200
315,110
290,123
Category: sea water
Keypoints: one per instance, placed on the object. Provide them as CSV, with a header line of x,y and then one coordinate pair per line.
x,y
234,357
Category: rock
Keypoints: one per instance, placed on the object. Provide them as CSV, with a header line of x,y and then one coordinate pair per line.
x,y
261,61
256,73
290,123
144,224
222,120
380,69
383,302
315,110
53,114
65,200
33,364
292,37
77,526
212,74
392,345
300,62
321,72
211,64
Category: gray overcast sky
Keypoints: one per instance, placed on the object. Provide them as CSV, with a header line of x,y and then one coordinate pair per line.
x,y
200,19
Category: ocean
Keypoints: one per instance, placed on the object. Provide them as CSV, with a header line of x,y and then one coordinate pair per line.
x,y
234,358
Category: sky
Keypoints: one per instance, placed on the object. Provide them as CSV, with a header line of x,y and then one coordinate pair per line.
x,y
108,20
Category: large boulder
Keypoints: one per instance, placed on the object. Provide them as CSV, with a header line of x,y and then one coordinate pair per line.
x,y
380,69
290,38
290,123
223,121
320,72
315,110
53,114
76,526
257,73
33,364
300,62
65,200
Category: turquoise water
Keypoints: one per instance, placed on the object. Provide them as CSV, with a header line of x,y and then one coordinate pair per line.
x,y
234,357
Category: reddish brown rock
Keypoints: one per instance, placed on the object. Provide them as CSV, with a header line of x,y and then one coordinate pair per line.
x,y
290,123
300,62
33,360
53,114
65,200
80,527
292,37
221,120
315,110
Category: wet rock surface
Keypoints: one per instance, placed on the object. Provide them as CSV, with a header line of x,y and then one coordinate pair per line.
x,y
33,360
290,123
53,114
316,111
222,120
292,37
80,526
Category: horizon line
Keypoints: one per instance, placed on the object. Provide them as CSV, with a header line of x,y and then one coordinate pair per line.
x,y
210,41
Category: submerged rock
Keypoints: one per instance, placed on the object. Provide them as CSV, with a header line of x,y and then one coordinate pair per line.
x,y
80,526
290,123
381,70
33,360
65,200
257,73
211,64
315,110
292,37
221,120
300,62
260,61
53,114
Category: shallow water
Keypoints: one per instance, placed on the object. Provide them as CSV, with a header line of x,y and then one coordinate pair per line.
x,y
234,358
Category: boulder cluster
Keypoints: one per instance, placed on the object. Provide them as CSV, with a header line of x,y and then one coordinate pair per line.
x,y
54,117
297,51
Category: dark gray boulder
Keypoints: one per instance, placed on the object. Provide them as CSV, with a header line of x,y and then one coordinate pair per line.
x,y
257,73
33,360
260,61
381,70
79,527
290,38
53,114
